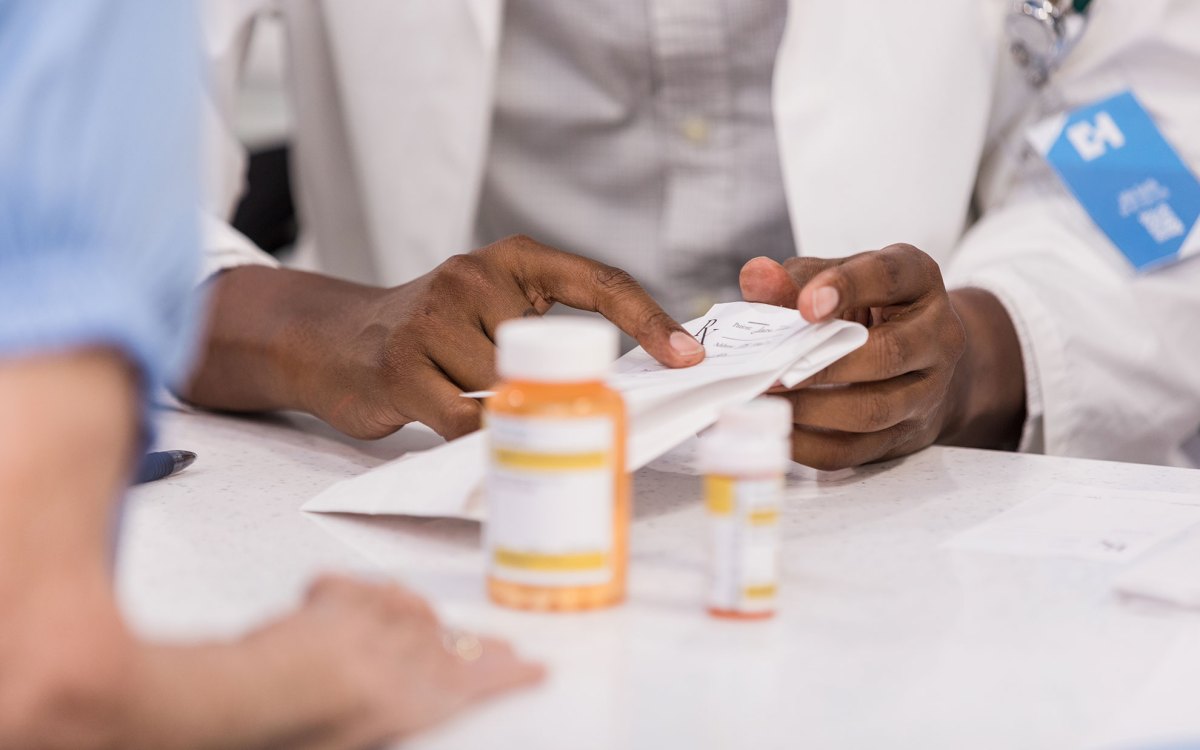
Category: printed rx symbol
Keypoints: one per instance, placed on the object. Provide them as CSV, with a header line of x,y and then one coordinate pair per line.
x,y
1092,140
710,326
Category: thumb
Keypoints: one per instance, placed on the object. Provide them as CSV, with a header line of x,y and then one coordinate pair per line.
x,y
764,280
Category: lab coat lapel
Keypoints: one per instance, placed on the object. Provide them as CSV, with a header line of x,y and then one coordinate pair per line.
x,y
488,15
417,110
881,113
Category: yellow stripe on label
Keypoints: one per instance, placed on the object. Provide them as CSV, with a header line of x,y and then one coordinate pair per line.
x,y
527,461
759,592
763,516
537,561
718,495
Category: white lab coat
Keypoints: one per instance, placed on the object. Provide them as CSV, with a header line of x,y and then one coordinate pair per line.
x,y
896,122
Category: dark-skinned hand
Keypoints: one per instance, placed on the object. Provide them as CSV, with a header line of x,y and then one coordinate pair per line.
x,y
368,360
892,396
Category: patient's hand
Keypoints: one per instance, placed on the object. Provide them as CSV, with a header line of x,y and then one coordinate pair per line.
x,y
377,651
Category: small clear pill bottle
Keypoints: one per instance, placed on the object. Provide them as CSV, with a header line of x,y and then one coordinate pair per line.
x,y
743,459
557,491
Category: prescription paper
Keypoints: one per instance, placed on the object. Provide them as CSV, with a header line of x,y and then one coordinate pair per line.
x,y
748,347
1083,522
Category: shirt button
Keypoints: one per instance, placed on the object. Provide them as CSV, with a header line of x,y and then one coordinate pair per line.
x,y
695,129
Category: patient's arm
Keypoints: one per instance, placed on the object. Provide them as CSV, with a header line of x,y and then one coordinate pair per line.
x,y
355,665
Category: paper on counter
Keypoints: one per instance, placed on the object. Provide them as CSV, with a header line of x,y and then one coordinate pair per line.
x,y
1083,522
437,477
748,348
1171,576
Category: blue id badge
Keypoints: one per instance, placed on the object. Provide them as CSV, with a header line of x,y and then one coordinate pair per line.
x,y
1132,183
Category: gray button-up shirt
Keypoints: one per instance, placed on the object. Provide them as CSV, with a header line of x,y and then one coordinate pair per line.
x,y
640,133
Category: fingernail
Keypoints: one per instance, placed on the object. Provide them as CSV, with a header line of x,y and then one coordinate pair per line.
x,y
684,345
759,261
825,301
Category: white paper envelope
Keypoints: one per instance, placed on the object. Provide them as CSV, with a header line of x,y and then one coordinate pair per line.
x,y
749,347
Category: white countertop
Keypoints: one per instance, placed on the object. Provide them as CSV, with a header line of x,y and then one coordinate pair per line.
x,y
883,638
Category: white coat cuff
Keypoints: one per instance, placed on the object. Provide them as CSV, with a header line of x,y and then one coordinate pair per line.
x,y
226,247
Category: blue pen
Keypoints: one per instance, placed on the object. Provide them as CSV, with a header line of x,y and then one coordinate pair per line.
x,y
163,464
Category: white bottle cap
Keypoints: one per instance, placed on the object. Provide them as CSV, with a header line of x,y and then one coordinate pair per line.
x,y
766,416
559,349
748,439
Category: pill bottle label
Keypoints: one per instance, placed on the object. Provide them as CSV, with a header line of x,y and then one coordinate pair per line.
x,y
550,494
744,543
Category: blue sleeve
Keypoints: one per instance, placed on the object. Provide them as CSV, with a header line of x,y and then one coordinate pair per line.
x,y
99,165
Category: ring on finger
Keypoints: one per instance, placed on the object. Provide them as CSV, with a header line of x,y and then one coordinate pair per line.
x,y
463,644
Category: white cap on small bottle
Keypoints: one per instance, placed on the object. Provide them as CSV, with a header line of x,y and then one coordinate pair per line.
x,y
555,350
768,416
750,438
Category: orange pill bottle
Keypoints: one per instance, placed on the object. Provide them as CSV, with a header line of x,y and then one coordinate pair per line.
x,y
744,458
557,492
